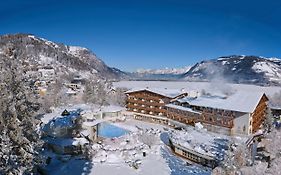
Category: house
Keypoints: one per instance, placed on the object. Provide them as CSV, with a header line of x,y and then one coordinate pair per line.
x,y
148,104
70,146
47,73
64,125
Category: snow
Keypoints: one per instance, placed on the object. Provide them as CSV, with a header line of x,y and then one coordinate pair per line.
x,y
67,141
85,108
166,70
74,50
239,101
198,126
172,93
200,141
45,60
224,62
116,156
57,126
112,108
93,123
33,37
182,108
52,44
197,86
271,70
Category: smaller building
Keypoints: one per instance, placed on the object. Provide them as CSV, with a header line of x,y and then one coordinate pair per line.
x,y
71,146
64,125
199,146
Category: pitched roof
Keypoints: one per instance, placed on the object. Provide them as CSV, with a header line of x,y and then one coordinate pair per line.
x,y
240,101
171,93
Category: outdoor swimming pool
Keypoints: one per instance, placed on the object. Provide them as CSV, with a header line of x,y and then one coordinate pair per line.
x,y
108,130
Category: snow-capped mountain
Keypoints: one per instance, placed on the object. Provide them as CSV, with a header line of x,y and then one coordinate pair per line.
x,y
38,52
237,69
159,74
175,71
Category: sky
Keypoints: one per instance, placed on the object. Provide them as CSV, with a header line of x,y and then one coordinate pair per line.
x,y
133,34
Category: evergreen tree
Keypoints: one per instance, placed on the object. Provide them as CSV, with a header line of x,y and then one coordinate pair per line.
x,y
19,139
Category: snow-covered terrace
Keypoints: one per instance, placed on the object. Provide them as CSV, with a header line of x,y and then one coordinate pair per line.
x,y
200,141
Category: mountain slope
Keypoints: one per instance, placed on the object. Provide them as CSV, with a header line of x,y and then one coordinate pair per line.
x,y
174,71
37,52
237,69
166,74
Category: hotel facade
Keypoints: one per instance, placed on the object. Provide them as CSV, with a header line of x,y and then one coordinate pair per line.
x,y
241,113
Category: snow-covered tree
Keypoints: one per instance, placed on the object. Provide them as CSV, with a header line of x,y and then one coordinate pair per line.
x,y
275,99
19,139
148,139
236,157
268,120
95,91
117,97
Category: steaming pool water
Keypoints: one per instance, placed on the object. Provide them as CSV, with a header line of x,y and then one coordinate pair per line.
x,y
108,130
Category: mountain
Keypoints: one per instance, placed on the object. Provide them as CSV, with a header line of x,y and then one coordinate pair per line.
x,y
237,69
166,74
175,71
37,52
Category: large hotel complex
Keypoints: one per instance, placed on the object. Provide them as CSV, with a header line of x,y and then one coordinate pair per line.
x,y
240,113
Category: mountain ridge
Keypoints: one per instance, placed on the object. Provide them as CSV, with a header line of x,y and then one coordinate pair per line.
x,y
38,52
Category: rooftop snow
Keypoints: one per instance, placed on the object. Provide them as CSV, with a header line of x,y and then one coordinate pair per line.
x,y
172,93
240,101
67,141
182,108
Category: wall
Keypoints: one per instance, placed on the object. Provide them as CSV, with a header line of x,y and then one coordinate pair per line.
x,y
239,124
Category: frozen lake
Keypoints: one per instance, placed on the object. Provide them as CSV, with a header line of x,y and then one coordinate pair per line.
x,y
197,86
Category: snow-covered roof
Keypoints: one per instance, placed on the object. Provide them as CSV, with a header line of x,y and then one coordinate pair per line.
x,y
171,93
240,101
54,126
182,108
93,123
66,141
200,141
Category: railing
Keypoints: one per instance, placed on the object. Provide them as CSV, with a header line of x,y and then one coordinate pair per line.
x,y
145,102
145,97
147,108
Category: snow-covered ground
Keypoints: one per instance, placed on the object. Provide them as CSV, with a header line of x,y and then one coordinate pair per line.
x,y
122,155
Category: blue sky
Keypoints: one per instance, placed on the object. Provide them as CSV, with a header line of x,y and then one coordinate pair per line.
x,y
131,34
